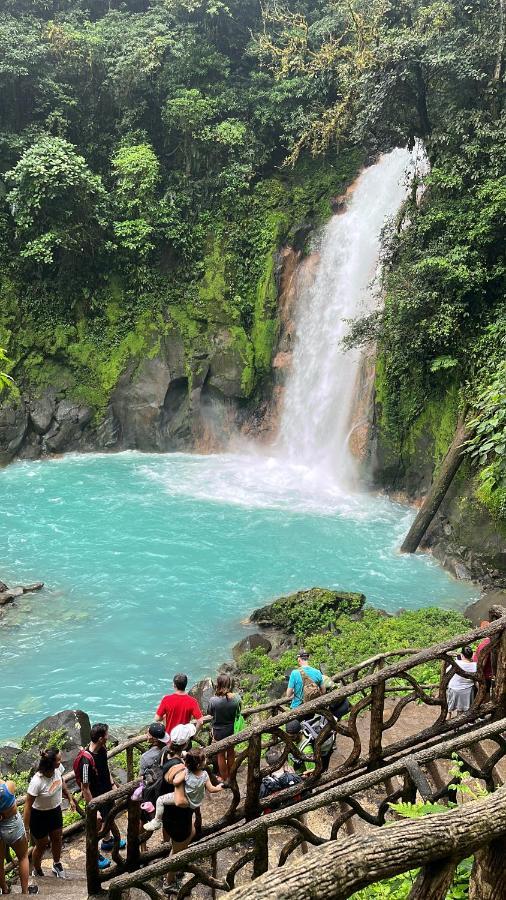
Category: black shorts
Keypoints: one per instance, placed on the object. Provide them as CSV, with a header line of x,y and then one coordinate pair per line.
x,y
177,822
223,731
44,821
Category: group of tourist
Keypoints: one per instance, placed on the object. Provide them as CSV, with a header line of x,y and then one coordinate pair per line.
x,y
169,759
174,778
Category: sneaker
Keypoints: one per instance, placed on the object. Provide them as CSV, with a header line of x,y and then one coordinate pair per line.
x,y
154,825
103,863
108,845
33,888
37,873
58,870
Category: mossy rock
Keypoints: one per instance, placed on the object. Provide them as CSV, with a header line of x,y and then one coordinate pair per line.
x,y
309,610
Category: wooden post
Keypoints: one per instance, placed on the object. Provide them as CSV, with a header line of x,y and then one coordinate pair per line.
x,y
251,803
130,763
133,828
214,872
376,723
92,875
261,860
499,691
408,789
488,877
434,880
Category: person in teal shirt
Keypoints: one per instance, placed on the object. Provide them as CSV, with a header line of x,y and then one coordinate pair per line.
x,y
295,690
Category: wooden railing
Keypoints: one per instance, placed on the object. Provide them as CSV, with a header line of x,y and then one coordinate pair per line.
x,y
362,753
365,798
435,846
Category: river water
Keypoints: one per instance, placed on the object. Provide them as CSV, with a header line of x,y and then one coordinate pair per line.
x,y
152,561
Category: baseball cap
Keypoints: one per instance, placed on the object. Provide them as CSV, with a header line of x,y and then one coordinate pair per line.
x,y
303,654
181,734
157,730
293,727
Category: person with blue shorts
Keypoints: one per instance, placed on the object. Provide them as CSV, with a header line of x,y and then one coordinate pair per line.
x,y
12,834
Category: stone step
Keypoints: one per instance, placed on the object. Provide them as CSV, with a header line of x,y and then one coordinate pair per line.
x,y
71,888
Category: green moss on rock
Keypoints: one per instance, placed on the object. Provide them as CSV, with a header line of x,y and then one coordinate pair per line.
x,y
310,610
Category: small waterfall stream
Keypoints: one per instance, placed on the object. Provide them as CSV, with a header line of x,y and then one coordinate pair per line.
x,y
320,391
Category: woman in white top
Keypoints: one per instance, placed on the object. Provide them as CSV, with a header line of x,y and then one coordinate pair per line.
x,y
460,689
43,813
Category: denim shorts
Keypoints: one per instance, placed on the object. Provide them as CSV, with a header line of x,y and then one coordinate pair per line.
x,y
12,829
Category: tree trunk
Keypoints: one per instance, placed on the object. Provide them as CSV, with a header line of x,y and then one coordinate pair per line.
x,y
438,489
434,881
340,868
488,878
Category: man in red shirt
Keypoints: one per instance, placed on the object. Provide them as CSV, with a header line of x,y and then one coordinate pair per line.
x,y
179,708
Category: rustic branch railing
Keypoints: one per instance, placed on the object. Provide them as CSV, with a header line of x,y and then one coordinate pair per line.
x,y
345,866
351,801
365,694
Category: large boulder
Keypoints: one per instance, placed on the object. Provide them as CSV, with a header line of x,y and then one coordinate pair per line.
x,y
8,755
68,729
227,366
202,691
14,760
13,428
479,611
251,642
151,404
66,431
314,609
42,410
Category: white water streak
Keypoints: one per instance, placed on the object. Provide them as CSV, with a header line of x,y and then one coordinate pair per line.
x,y
320,392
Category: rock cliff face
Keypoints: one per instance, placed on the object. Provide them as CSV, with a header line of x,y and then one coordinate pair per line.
x,y
171,399
463,535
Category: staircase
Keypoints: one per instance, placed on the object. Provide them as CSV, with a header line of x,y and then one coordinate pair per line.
x,y
396,742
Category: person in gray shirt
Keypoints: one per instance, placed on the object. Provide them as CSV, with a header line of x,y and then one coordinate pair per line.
x,y
223,707
150,767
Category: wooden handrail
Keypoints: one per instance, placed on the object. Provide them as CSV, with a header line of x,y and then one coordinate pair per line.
x,y
240,833
367,689
354,687
342,867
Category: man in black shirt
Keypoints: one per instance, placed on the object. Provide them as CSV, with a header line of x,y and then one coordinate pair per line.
x,y
95,779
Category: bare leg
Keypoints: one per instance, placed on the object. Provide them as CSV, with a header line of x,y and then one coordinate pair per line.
x,y
177,848
56,838
3,883
21,850
38,852
222,766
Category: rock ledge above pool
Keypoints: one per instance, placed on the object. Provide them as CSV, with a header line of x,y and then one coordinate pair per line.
x,y
288,612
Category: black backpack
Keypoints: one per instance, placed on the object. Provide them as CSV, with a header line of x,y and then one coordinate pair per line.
x,y
271,784
153,791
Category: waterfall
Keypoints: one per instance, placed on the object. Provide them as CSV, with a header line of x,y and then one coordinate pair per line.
x,y
319,395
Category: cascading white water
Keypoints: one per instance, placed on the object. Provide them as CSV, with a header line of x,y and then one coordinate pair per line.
x,y
319,395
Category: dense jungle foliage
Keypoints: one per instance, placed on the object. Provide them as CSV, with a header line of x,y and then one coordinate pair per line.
x,y
155,153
